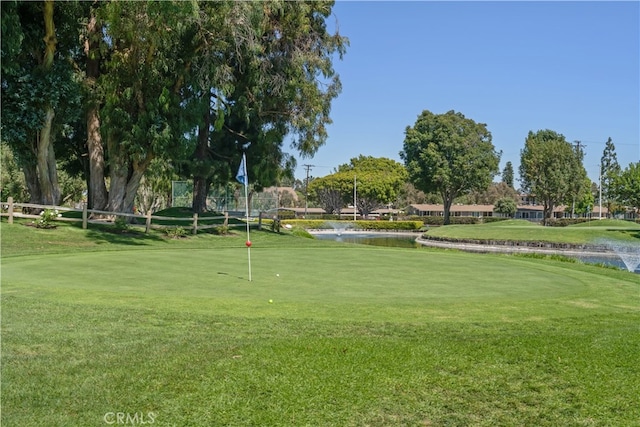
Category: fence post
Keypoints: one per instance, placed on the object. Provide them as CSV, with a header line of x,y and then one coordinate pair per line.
x,y
226,219
10,209
148,227
84,216
195,223
260,221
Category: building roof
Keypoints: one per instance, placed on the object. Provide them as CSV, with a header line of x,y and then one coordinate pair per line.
x,y
314,211
454,208
489,208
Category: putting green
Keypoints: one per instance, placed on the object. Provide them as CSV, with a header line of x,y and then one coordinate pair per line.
x,y
359,283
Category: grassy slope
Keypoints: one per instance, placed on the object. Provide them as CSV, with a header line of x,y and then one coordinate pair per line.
x,y
591,232
355,335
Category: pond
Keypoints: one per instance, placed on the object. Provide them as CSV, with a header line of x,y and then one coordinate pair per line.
x,y
405,240
396,240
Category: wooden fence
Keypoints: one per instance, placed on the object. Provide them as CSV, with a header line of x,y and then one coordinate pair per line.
x,y
13,210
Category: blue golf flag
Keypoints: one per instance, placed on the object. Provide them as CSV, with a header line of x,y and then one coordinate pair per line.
x,y
241,176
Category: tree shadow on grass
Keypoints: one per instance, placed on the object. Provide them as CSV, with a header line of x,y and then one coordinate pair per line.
x,y
631,233
110,235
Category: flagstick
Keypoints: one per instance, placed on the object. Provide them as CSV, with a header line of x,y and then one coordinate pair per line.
x,y
246,199
243,177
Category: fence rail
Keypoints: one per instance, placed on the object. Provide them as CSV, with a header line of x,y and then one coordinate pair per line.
x,y
15,210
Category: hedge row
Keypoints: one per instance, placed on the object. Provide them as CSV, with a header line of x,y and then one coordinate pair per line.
x,y
317,224
439,220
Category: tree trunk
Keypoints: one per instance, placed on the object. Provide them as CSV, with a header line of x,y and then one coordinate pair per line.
x,y
447,202
47,174
53,174
125,180
200,179
46,161
548,210
132,186
117,186
97,189
96,185
31,179
200,190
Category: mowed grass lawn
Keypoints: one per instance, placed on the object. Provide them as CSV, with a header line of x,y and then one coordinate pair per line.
x,y
593,232
172,333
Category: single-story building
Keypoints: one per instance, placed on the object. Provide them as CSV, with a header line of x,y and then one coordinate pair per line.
x,y
526,211
476,211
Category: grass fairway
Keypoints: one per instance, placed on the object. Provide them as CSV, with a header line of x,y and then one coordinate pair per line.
x,y
172,332
590,232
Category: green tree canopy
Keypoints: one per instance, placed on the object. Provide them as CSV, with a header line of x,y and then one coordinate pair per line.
x,y
495,191
377,182
506,206
449,154
270,77
585,201
549,167
507,174
627,186
580,184
609,172
331,192
40,94
186,83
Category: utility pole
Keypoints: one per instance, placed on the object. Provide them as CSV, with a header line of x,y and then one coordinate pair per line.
x,y
306,186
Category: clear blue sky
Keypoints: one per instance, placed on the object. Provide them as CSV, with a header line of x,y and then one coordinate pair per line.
x,y
572,67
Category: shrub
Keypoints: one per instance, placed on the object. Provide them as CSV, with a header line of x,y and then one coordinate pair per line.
x,y
309,224
433,220
413,218
389,225
463,220
47,217
330,217
176,232
121,224
564,222
221,230
489,219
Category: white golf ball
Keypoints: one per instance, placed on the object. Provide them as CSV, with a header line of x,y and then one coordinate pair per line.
x,y
277,275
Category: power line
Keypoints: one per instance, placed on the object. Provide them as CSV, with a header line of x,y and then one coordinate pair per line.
x,y
615,143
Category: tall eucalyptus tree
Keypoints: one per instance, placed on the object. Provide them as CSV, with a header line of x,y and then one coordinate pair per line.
x,y
39,89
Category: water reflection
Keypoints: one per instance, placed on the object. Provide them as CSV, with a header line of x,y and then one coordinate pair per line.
x,y
373,239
